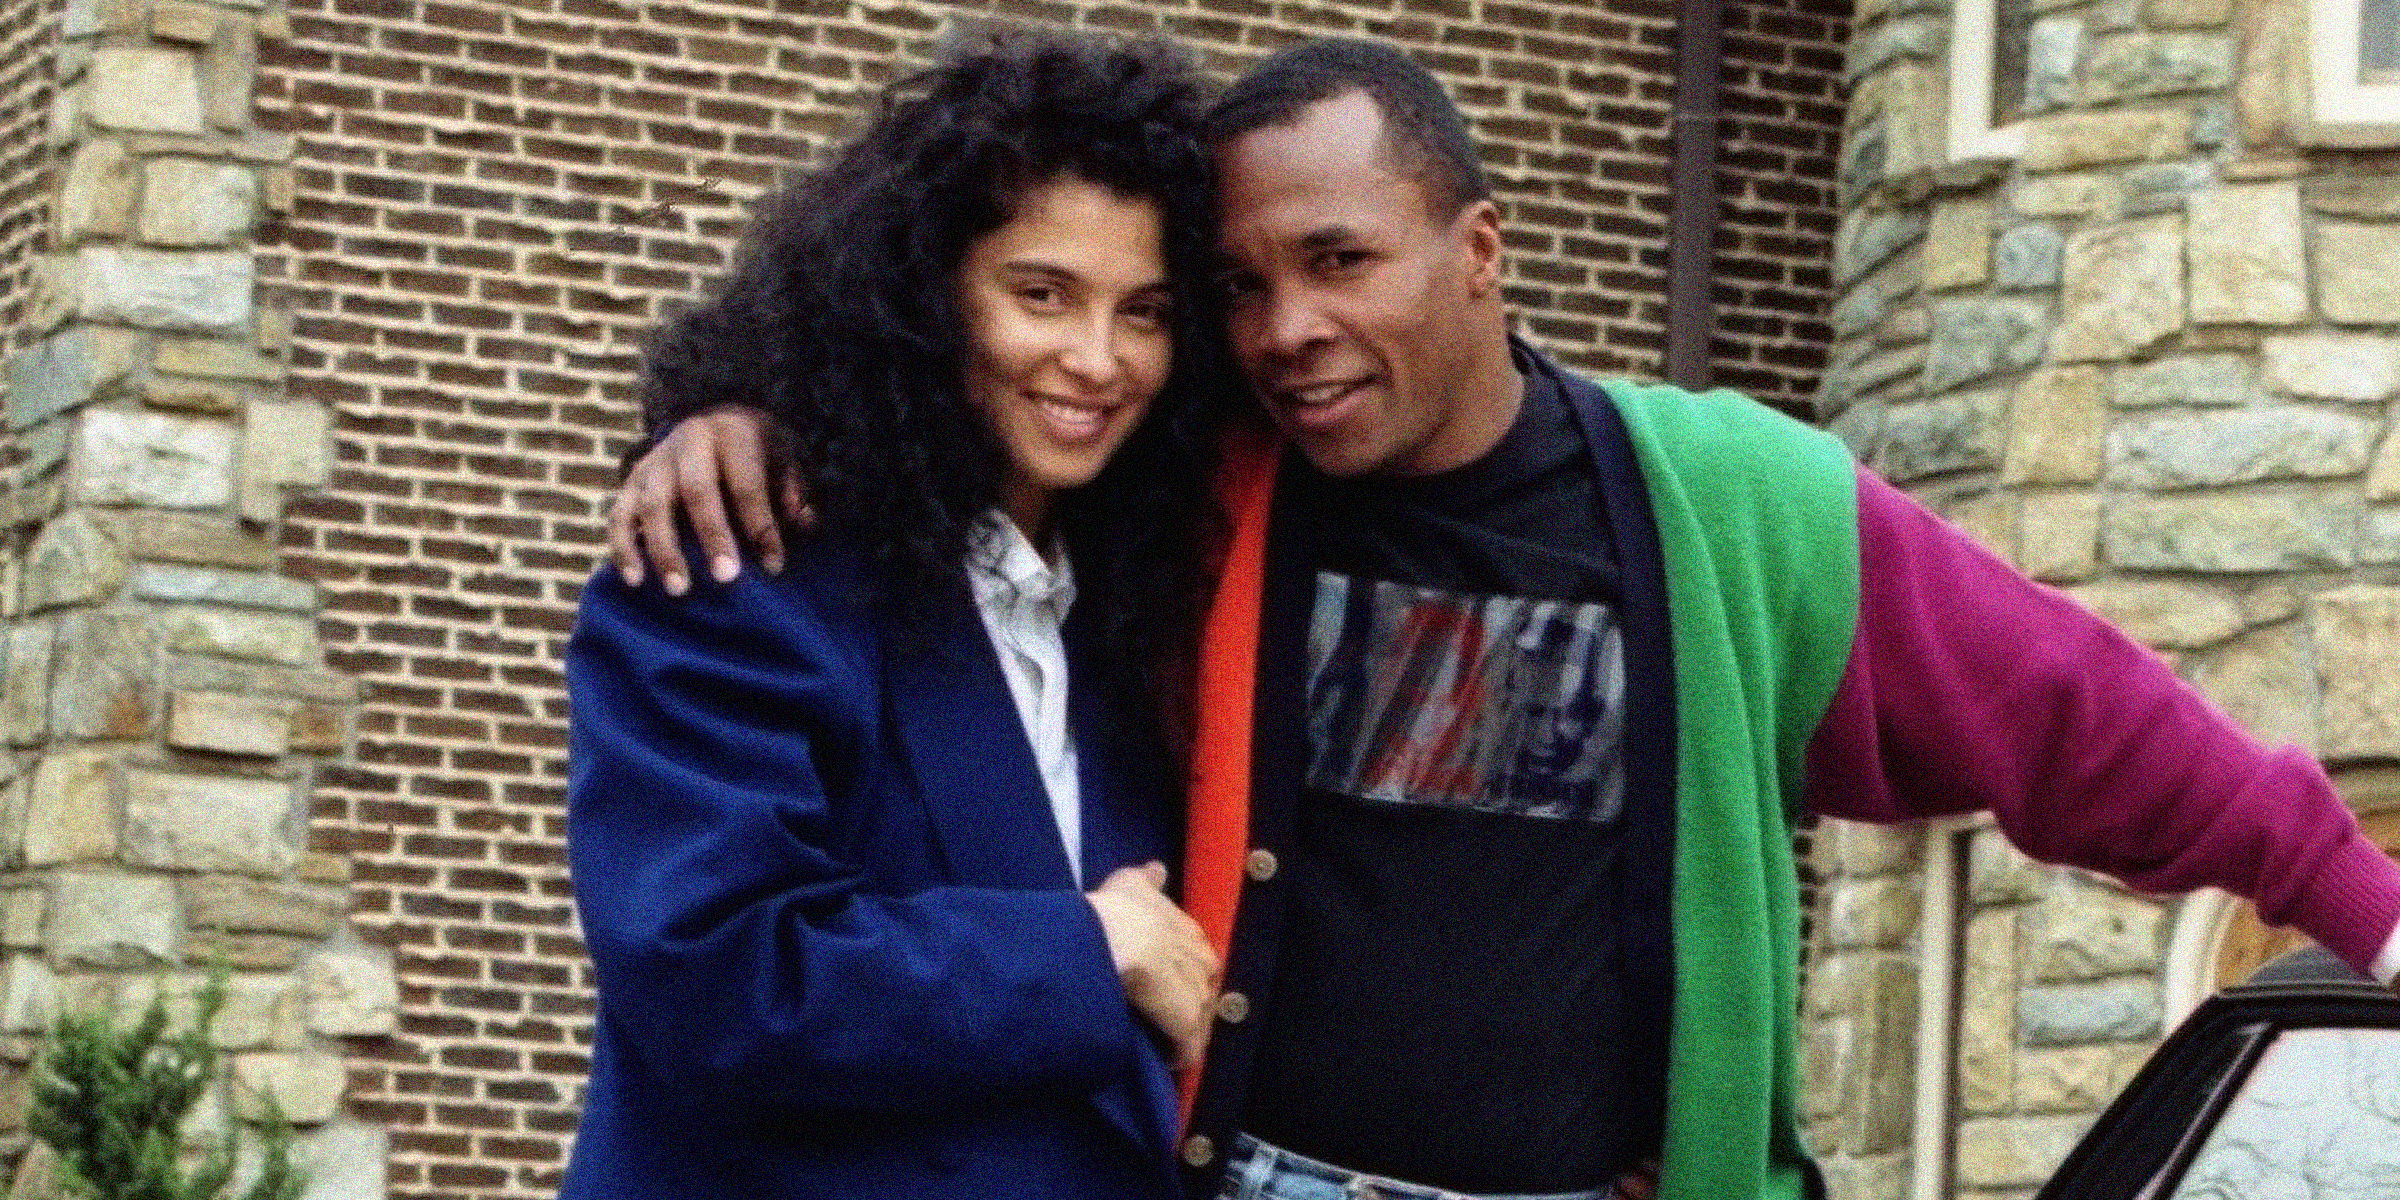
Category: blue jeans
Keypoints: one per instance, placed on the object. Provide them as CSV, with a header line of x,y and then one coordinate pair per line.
x,y
1258,1171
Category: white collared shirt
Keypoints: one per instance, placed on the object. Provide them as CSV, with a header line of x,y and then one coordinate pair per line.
x,y
1023,600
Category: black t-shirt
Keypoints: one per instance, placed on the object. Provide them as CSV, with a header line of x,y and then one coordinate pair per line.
x,y
1449,1002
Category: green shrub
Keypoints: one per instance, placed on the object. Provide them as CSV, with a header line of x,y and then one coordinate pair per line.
x,y
111,1103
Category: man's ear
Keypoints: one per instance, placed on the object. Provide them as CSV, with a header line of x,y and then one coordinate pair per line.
x,y
1479,228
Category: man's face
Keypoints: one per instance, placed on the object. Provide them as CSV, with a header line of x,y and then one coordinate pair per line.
x,y
1350,298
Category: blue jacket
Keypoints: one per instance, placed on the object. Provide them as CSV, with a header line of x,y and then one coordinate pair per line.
x,y
840,952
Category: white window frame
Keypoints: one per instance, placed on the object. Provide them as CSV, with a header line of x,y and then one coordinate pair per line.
x,y
2335,53
1974,25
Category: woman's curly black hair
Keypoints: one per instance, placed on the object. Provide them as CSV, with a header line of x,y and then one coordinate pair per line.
x,y
840,319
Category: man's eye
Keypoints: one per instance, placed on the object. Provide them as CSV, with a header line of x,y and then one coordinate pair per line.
x,y
1340,260
1040,294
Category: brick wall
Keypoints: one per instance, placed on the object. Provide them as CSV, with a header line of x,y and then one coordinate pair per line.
x,y
493,204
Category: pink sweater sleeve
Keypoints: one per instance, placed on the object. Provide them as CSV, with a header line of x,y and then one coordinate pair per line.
x,y
1971,687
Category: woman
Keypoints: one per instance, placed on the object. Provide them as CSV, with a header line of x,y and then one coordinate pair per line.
x,y
832,829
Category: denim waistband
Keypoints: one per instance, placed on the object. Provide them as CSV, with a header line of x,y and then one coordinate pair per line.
x,y
1258,1171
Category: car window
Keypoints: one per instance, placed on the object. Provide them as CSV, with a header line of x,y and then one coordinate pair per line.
x,y
2318,1117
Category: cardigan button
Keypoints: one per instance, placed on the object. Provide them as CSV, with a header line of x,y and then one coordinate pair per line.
x,y
1198,1151
1233,1008
1261,865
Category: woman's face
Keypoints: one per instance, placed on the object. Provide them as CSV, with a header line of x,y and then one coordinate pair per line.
x,y
1066,310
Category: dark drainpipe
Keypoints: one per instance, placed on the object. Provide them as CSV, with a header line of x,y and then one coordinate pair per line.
x,y
1692,231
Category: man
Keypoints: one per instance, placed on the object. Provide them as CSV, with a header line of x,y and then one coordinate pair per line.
x,y
1515,682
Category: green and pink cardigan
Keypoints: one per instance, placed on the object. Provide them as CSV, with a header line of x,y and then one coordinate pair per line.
x,y
1840,651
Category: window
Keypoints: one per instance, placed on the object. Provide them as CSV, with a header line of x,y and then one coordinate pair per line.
x,y
2355,51
2008,62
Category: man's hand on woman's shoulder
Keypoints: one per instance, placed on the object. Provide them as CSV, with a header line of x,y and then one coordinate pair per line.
x,y
709,465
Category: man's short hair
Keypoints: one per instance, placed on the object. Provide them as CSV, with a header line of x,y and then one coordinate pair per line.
x,y
1422,128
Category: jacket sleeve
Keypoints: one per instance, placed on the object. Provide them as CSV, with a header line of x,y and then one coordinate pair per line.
x,y
1970,687
713,742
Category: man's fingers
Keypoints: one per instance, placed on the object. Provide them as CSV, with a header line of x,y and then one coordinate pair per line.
x,y
742,462
621,548
703,498
654,522
794,493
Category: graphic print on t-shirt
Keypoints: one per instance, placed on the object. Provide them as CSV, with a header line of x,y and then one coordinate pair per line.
x,y
1498,704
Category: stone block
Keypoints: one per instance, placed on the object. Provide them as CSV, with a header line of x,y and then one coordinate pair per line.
x,y
2066,195
2058,536
104,678
2164,615
228,72
2055,427
25,688
145,89
1880,1089
1998,1152
1868,237
2247,263
194,202
1934,437
219,675
2066,141
1958,245
146,458
1975,339
1880,45
351,991
2332,366
2137,65
71,809
209,397
2163,187
2375,196
1987,1017
2231,532
2087,931
285,443
260,1011
2383,478
2122,289
96,197
1860,848
2186,14
2267,681
1865,377
1997,873
2199,380
2273,95
22,912
216,358
2357,283
210,823
1914,96
245,905
1860,427
29,995
306,1085
66,370
343,1160
318,729
1990,519
243,634
107,919
2027,256
73,561
2205,449
196,290
182,21
2379,537
199,585
230,723
2053,49
1871,912
2356,632
201,540
2078,1079
2071,1014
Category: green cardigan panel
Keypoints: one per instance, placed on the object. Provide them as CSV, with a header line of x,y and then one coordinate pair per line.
x,y
1757,520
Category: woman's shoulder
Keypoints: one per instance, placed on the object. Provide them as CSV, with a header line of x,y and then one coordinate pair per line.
x,y
820,604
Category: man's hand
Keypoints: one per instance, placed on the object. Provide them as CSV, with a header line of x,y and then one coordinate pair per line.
x,y
704,460
1169,971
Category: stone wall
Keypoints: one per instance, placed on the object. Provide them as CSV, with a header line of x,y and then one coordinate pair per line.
x,y
164,700
28,66
2152,361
